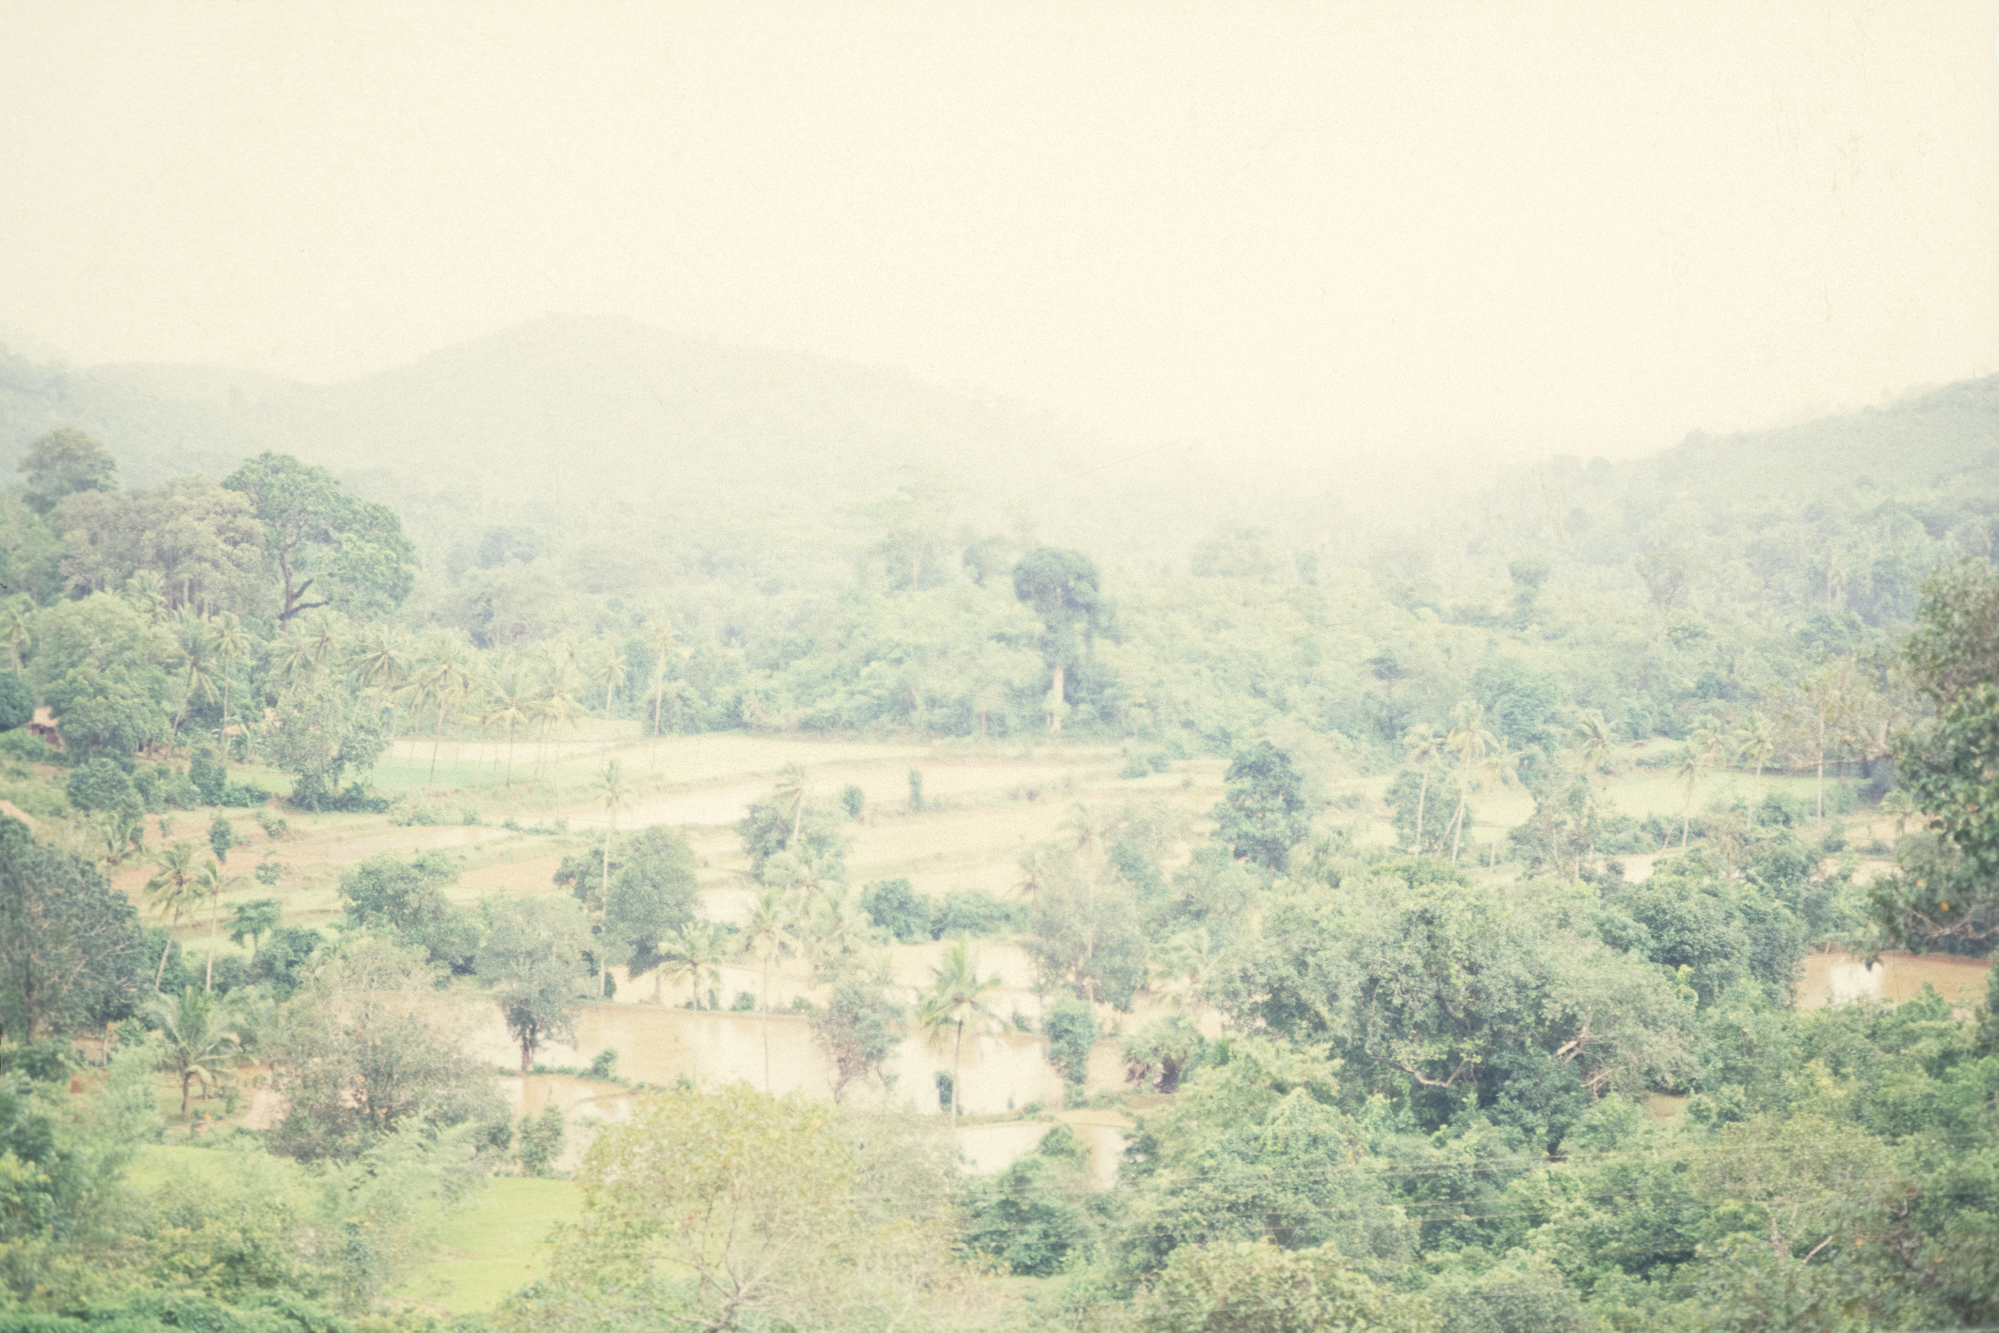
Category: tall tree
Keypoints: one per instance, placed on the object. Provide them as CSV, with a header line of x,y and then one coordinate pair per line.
x,y
957,1000
1266,812
767,937
100,668
169,892
532,959
1423,747
368,1046
1470,742
196,1039
62,463
1947,888
210,883
660,642
327,544
1755,742
69,945
615,794
1062,587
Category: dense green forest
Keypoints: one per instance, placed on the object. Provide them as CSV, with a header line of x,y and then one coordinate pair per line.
x,y
1408,1085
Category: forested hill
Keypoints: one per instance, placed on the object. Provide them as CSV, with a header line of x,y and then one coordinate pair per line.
x,y
562,408
1917,443
1846,512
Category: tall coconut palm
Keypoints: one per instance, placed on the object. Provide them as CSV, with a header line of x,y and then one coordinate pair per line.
x,y
440,681
615,793
298,654
195,1039
211,883
195,638
660,644
509,702
610,673
380,665
957,1000
789,795
1423,747
146,593
555,696
231,642
694,951
1470,742
1755,743
1704,746
767,937
1596,741
168,893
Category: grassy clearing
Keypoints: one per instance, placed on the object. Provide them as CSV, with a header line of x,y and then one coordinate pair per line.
x,y
495,1245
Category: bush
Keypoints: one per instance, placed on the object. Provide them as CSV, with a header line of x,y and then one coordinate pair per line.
x,y
1072,1029
896,907
205,771
17,703
409,812
100,785
977,912
604,1064
163,788
285,955
853,800
541,1141
18,744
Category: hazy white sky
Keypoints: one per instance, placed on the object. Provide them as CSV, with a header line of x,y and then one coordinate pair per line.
x,y
1525,227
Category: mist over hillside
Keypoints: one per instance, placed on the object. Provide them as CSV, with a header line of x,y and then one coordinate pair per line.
x,y
586,419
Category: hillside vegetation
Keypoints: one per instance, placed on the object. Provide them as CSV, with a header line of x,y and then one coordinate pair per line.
x,y
1425,899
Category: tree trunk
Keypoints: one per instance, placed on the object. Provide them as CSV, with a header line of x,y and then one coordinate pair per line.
x,y
527,1065
957,1058
1422,794
436,740
186,1081
161,970
1055,690
1458,819
214,919
766,1024
1821,768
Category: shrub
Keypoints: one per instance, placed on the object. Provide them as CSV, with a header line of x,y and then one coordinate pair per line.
x,y
1072,1029
100,785
17,703
977,912
895,906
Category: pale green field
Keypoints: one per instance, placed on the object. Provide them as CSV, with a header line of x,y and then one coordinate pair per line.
x,y
985,807
495,1245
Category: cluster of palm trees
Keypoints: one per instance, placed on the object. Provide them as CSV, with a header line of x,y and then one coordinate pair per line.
x,y
1469,750
439,682
178,886
435,681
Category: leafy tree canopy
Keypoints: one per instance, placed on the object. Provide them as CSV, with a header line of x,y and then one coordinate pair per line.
x,y
99,668
62,463
331,548
70,949
1266,812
